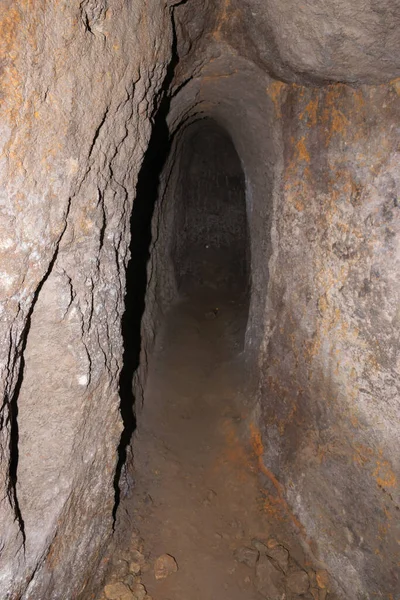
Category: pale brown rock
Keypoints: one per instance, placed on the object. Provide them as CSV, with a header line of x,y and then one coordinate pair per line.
x,y
118,591
137,563
164,566
139,591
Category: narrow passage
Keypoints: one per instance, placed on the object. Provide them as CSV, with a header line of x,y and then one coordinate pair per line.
x,y
197,495
198,523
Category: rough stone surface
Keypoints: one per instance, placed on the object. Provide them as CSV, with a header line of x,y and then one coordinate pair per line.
x,y
298,582
332,356
80,85
270,581
339,40
78,90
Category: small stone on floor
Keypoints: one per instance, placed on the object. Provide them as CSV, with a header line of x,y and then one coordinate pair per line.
x,y
118,591
164,566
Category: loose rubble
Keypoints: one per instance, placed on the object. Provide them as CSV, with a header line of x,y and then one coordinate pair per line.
x,y
124,575
278,576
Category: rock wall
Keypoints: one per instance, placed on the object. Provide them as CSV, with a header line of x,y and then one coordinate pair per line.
x,y
329,403
81,83
79,86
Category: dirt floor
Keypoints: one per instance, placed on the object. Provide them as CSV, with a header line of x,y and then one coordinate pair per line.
x,y
201,530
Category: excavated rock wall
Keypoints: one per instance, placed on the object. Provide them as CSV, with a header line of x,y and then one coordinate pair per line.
x,y
79,85
329,402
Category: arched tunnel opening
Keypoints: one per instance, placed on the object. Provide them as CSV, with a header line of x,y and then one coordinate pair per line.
x,y
184,338
211,246
206,249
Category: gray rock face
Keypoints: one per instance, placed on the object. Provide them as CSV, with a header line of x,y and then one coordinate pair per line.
x,y
337,40
78,89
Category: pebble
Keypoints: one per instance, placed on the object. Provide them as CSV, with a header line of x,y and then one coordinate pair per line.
x,y
164,566
298,582
247,556
120,569
135,568
137,563
139,591
322,578
118,591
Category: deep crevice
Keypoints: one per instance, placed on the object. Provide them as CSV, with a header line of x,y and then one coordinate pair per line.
x,y
12,404
136,275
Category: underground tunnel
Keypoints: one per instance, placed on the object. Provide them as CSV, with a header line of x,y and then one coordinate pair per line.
x,y
210,245
199,267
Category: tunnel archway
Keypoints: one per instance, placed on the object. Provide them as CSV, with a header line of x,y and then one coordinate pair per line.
x,y
191,369
189,235
211,243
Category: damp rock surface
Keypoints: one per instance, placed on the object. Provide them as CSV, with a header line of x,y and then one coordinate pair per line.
x,y
98,98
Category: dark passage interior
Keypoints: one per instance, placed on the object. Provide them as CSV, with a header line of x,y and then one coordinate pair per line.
x,y
211,235
192,512
208,245
193,404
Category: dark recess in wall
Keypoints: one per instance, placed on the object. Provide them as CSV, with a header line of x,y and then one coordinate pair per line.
x,y
211,245
136,275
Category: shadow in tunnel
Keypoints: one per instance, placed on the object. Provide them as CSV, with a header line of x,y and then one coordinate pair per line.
x,y
136,275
